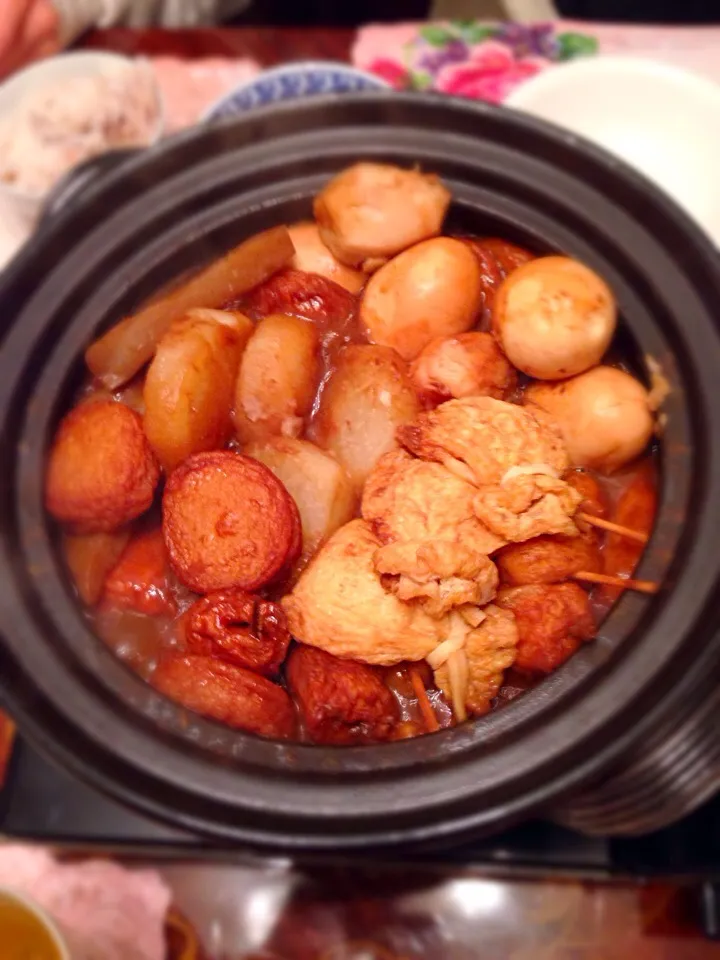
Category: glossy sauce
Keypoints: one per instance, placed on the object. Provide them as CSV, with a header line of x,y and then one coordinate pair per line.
x,y
139,640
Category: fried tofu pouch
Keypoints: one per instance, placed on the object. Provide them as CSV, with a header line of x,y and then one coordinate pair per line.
x,y
475,672
481,438
340,605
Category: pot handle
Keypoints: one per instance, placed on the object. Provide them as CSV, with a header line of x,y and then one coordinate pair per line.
x,y
80,177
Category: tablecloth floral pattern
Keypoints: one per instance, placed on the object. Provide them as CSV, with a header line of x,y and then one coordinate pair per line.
x,y
487,61
479,60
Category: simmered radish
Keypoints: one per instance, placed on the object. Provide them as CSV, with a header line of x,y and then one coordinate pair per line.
x,y
368,396
277,380
317,483
190,384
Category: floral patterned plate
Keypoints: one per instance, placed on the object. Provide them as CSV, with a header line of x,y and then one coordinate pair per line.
x,y
291,81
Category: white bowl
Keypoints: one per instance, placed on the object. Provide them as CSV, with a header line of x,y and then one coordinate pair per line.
x,y
20,206
43,919
660,119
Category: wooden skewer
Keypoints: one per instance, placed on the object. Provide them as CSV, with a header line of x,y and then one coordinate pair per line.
x,y
426,709
613,527
642,586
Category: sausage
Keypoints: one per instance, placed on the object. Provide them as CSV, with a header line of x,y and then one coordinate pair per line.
x,y
101,472
239,627
141,580
228,522
552,621
636,508
226,693
302,295
548,559
468,365
340,701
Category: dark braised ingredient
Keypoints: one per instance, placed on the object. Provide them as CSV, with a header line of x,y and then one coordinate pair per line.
x,y
340,701
141,579
548,559
552,621
90,557
228,522
226,693
302,295
635,509
468,365
240,627
509,256
101,472
587,486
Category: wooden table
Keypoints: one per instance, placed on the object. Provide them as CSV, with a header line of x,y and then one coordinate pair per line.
x,y
267,45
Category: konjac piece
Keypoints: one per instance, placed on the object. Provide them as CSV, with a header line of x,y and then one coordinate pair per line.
x,y
552,621
467,365
432,290
481,439
340,605
340,701
228,522
101,472
371,211
239,627
189,385
227,693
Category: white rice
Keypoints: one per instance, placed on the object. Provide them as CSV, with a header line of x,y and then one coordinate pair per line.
x,y
54,129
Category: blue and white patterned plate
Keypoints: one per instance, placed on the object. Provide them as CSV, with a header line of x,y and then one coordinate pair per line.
x,y
310,78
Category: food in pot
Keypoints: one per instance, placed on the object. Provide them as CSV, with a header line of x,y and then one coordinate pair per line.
x,y
434,289
307,504
101,472
372,211
554,317
604,415
468,365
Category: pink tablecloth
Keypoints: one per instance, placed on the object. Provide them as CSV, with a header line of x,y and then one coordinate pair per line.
x,y
487,60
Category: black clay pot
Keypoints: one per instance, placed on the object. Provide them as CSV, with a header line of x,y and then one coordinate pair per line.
x,y
632,714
